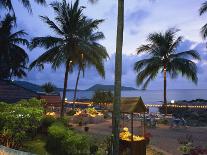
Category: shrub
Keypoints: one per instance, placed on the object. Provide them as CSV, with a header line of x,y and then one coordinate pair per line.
x,y
163,121
71,112
46,122
63,141
19,121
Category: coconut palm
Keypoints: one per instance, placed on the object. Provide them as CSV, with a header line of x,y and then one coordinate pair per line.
x,y
8,4
118,72
84,61
203,10
13,58
165,58
72,32
49,87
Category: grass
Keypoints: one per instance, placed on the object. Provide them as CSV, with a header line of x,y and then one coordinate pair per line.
x,y
36,146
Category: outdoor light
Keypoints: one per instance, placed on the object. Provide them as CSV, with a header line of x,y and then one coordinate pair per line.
x,y
172,101
66,99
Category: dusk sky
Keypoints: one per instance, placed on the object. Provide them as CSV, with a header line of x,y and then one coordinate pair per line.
x,y
141,18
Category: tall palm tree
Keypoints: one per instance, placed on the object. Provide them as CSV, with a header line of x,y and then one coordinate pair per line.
x,y
203,10
71,28
165,58
13,58
26,3
118,74
84,62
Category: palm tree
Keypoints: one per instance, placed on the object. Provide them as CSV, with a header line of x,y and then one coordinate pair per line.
x,y
72,32
202,10
165,58
26,3
84,62
13,58
118,74
48,87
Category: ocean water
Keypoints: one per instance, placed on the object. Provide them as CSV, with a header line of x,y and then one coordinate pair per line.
x,y
151,96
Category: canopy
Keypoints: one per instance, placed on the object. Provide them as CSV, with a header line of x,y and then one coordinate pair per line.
x,y
132,105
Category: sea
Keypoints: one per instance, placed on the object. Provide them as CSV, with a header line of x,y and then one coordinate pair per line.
x,y
150,96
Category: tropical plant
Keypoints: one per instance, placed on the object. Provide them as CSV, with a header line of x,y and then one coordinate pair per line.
x,y
19,121
164,57
64,141
8,4
84,62
49,87
118,72
102,98
203,10
75,34
13,58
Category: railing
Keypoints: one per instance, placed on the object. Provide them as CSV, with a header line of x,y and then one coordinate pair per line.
x,y
155,105
178,106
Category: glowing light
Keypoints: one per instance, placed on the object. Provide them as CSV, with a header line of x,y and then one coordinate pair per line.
x,y
172,101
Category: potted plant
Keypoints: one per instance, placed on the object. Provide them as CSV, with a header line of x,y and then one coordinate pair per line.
x,y
147,137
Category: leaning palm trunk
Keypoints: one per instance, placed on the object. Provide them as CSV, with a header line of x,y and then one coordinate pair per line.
x,y
118,73
165,90
65,88
76,87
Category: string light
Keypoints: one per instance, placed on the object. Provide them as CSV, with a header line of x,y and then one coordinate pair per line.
x,y
177,106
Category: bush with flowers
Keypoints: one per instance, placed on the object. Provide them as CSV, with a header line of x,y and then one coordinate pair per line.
x,y
19,121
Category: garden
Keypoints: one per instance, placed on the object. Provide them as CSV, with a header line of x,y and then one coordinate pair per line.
x,y
28,127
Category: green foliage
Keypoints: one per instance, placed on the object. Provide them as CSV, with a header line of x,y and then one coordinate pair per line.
x,y
63,141
49,87
71,112
8,4
13,58
19,121
46,122
162,51
102,97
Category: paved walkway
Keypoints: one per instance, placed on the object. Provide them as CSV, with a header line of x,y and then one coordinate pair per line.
x,y
164,138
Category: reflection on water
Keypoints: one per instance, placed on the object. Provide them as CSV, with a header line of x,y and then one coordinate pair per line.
x,y
150,96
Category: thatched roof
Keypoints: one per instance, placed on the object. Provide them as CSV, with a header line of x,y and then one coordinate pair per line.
x,y
132,105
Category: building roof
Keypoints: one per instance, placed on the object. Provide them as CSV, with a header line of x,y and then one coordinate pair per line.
x,y
33,87
12,93
132,105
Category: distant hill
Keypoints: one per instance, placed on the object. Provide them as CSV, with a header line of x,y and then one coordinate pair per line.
x,y
107,88
34,87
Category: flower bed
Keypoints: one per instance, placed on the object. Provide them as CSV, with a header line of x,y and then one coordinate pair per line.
x,y
88,116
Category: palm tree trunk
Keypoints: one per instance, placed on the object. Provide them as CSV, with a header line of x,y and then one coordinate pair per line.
x,y
118,73
76,87
65,88
165,90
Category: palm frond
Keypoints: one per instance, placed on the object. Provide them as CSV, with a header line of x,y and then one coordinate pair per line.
x,y
46,42
203,8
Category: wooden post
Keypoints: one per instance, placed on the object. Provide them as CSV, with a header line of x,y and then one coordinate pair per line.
x,y
144,127
132,128
123,119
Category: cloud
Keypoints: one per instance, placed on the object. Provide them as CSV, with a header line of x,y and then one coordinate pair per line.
x,y
141,18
